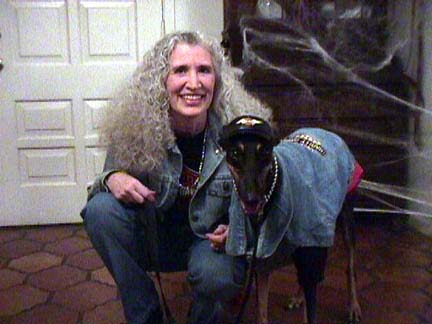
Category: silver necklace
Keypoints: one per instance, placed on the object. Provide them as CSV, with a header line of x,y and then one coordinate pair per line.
x,y
188,191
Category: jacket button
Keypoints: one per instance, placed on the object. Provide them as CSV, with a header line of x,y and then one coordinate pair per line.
x,y
194,218
226,186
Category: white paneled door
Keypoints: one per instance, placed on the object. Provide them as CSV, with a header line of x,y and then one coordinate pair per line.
x,y
62,62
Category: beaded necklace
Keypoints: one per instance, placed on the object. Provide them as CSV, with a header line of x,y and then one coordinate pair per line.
x,y
188,191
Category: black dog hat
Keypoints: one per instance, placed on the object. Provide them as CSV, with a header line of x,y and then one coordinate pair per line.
x,y
247,125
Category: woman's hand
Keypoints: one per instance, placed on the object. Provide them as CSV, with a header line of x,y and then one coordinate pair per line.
x,y
129,189
218,237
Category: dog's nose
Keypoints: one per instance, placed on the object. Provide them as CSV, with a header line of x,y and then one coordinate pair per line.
x,y
252,200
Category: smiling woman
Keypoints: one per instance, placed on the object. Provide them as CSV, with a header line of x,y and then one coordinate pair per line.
x,y
164,160
190,85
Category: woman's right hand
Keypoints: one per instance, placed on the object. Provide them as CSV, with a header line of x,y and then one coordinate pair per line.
x,y
128,189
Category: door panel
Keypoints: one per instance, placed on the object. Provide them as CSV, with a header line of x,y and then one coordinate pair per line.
x,y
63,60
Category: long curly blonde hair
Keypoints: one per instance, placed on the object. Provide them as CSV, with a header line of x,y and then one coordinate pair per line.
x,y
136,126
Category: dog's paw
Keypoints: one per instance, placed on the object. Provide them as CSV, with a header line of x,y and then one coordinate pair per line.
x,y
295,302
353,318
355,315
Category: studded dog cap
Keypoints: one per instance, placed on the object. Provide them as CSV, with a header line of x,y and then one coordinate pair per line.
x,y
247,125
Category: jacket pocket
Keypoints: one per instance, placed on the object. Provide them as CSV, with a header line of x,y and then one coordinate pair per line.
x,y
220,188
218,198
163,185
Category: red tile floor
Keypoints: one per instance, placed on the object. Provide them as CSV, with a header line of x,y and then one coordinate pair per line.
x,y
51,274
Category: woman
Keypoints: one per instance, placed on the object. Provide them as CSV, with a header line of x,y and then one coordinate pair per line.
x,y
162,134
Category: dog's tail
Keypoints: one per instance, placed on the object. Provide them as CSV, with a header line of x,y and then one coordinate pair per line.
x,y
356,178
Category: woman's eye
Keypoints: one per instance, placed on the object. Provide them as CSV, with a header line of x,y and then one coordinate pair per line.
x,y
180,69
266,152
205,69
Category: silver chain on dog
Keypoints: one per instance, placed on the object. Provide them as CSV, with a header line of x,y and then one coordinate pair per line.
x,y
188,191
268,195
275,178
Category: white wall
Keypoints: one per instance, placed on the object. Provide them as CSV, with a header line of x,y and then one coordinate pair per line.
x,y
205,16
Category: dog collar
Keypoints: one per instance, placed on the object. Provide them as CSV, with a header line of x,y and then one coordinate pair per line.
x,y
275,178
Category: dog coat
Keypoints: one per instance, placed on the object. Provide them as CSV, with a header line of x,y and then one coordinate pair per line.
x,y
316,170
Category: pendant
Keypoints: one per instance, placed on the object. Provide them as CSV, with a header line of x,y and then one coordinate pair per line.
x,y
185,191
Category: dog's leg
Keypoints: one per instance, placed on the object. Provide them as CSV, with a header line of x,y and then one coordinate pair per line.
x,y
310,264
310,290
349,240
297,300
263,293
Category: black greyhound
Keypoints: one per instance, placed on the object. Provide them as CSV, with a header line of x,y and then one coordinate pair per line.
x,y
249,145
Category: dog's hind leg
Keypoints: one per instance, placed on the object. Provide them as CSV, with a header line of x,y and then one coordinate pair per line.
x,y
347,218
310,264
262,282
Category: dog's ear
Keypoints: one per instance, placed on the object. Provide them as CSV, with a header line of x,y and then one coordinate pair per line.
x,y
223,139
222,143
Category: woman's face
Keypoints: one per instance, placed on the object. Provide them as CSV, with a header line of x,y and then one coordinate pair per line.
x,y
191,80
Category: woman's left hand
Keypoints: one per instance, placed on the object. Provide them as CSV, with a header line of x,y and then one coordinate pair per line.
x,y
218,237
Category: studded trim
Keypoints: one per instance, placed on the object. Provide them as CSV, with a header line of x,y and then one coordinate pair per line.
x,y
309,142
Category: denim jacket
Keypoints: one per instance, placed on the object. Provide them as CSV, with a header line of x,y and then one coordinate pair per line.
x,y
210,203
313,181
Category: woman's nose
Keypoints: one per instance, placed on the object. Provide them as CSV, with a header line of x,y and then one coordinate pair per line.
x,y
193,80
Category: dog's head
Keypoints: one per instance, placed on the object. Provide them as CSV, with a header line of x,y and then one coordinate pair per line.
x,y
248,142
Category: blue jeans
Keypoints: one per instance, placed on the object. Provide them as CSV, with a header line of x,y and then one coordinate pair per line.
x,y
117,235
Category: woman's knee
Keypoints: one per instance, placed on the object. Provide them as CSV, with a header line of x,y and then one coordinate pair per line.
x,y
103,213
219,277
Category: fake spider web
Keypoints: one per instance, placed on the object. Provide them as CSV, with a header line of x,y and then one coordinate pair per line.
x,y
340,50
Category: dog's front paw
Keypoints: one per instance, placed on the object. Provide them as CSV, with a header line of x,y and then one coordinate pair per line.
x,y
353,318
295,302
354,314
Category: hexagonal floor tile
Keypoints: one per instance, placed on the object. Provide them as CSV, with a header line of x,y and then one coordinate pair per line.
x,y
57,278
48,234
82,232
68,246
19,248
109,313
3,262
47,314
17,299
9,278
85,296
395,298
86,260
10,234
104,276
35,262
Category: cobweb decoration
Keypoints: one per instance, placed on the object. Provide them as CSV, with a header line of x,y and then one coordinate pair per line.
x,y
311,47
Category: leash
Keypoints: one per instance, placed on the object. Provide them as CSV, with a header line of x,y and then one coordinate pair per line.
x,y
147,216
256,222
251,273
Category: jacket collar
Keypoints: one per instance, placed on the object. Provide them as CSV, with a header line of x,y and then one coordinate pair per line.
x,y
214,154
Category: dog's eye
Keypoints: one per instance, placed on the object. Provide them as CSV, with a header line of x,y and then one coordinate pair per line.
x,y
234,156
234,153
265,152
